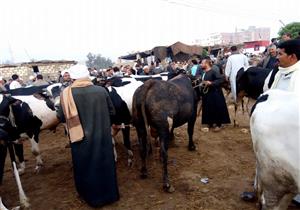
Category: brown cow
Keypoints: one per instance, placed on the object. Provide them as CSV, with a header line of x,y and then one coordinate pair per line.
x,y
163,106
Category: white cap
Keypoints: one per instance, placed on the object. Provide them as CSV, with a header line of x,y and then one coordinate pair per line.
x,y
64,71
79,71
31,77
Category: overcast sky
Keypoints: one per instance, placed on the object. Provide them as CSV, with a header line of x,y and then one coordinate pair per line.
x,y
69,29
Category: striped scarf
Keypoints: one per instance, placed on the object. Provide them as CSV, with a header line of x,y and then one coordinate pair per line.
x,y
70,111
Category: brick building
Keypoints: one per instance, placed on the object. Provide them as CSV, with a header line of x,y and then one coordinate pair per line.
x,y
49,69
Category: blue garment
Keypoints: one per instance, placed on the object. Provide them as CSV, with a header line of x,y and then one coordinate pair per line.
x,y
194,70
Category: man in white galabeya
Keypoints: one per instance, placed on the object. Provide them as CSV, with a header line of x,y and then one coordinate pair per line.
x,y
287,78
235,62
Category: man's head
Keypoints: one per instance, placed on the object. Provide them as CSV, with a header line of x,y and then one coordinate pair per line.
x,y
195,62
272,50
66,76
146,69
109,72
273,40
286,36
233,49
79,72
288,53
15,77
206,63
39,76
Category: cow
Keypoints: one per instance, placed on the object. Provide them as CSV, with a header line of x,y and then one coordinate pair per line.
x,y
31,116
250,84
8,134
163,106
32,113
275,131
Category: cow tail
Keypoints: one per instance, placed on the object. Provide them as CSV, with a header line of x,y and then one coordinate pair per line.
x,y
143,108
11,116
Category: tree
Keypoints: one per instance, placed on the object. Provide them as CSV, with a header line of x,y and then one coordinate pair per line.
x,y
292,28
98,61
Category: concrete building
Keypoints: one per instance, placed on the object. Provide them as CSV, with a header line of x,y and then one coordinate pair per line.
x,y
237,37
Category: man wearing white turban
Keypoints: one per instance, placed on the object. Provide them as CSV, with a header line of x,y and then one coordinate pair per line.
x,y
86,108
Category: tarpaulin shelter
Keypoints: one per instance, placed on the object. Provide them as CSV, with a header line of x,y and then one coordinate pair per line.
x,y
177,52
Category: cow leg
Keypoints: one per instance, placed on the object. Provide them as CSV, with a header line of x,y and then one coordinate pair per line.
x,y
126,138
36,152
23,199
143,154
3,152
164,137
114,148
191,124
235,122
275,200
20,154
2,207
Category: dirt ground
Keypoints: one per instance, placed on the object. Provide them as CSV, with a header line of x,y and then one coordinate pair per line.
x,y
226,158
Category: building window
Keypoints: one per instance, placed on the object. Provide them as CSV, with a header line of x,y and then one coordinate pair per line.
x,y
35,69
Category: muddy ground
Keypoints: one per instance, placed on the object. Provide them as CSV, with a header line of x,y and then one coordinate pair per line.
x,y
226,158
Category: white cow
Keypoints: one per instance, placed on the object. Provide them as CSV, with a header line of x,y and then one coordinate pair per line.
x,y
275,130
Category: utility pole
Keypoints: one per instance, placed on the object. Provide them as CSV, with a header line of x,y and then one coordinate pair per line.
x,y
11,53
282,23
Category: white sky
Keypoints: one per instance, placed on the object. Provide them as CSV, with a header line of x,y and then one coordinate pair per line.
x,y
69,29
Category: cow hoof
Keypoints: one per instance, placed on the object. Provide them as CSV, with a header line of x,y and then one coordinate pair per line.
x,y
192,148
144,173
144,176
38,168
21,171
129,162
236,124
248,196
169,188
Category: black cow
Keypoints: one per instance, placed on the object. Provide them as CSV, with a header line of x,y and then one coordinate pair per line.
x,y
163,106
250,83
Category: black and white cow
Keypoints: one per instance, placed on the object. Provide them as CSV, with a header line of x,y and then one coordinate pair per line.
x,y
163,106
31,115
8,134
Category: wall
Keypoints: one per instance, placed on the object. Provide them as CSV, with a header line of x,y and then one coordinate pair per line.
x,y
50,71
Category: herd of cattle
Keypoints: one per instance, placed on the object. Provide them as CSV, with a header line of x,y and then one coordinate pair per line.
x,y
155,106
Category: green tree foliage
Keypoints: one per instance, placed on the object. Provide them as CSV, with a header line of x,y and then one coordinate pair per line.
x,y
204,53
292,28
98,61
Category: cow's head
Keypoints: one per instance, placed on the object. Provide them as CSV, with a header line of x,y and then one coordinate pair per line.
x,y
53,91
5,102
